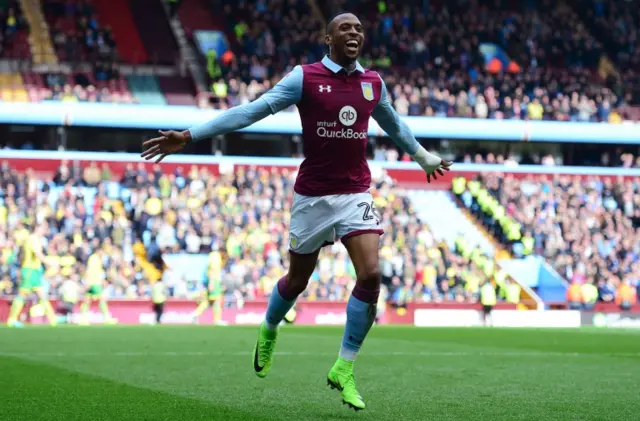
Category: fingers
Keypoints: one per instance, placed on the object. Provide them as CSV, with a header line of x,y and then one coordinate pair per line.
x,y
439,171
161,158
446,164
154,141
151,152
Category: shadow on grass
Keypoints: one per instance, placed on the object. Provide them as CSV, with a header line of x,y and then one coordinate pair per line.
x,y
34,391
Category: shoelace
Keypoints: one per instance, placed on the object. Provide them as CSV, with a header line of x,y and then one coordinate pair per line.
x,y
266,347
350,384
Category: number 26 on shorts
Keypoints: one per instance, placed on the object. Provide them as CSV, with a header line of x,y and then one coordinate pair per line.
x,y
369,211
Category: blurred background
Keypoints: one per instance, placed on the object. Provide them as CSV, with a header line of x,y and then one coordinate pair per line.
x,y
536,101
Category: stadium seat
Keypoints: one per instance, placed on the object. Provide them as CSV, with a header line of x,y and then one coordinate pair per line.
x,y
146,89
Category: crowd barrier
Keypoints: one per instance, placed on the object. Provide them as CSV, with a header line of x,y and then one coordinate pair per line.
x,y
624,319
55,113
405,173
133,312
332,313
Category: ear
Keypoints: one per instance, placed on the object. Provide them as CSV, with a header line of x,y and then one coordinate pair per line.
x,y
328,40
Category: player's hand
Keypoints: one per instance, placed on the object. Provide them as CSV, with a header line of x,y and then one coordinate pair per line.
x,y
168,143
439,170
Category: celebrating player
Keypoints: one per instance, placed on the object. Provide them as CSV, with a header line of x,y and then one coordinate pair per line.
x,y
335,98
31,272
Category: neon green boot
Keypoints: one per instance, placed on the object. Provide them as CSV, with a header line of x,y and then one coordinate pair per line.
x,y
263,351
341,377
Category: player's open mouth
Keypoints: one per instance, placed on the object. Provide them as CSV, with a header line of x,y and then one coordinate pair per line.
x,y
352,46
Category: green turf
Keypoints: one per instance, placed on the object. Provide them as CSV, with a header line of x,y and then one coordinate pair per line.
x,y
204,373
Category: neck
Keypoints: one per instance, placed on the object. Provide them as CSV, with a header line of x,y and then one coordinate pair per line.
x,y
347,63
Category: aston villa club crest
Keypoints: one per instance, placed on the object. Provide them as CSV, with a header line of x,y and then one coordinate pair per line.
x,y
367,91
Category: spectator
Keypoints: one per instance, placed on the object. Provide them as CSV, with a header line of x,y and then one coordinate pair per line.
x,y
243,213
585,228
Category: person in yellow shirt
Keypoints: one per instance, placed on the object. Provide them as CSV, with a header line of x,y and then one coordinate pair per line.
x,y
32,256
94,278
213,294
488,300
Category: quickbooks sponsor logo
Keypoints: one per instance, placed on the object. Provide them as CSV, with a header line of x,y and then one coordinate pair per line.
x,y
340,134
347,115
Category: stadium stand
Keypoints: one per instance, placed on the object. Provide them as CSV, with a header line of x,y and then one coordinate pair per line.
x,y
199,15
12,88
244,215
146,89
538,76
511,60
77,33
544,60
13,31
586,228
153,26
116,14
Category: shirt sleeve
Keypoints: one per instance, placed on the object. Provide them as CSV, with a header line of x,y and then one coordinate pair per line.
x,y
287,92
392,124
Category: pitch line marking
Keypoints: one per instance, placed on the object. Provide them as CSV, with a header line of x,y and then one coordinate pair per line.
x,y
315,354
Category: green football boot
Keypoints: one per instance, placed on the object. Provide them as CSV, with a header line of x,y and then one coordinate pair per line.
x,y
341,377
263,351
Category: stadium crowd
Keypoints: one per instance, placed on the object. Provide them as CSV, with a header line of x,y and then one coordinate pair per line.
x,y
554,74
510,60
242,215
588,229
11,21
76,32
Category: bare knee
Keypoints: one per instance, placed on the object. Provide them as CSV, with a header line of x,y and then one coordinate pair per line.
x,y
367,287
300,270
370,277
296,284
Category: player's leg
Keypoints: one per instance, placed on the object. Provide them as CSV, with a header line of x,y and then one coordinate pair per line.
x,y
16,308
202,307
21,298
360,233
104,306
66,310
158,309
488,320
361,313
283,298
286,291
311,228
217,302
86,305
46,305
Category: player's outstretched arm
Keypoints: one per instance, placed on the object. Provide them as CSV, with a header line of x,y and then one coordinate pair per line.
x,y
390,122
287,92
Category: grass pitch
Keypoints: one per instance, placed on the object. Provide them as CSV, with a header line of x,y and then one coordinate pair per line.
x,y
204,373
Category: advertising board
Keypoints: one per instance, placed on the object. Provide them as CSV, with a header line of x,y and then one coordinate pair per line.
x,y
614,320
501,318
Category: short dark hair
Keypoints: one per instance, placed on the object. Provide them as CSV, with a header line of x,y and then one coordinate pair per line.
x,y
332,18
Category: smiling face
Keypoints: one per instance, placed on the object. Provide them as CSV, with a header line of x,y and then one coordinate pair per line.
x,y
345,37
